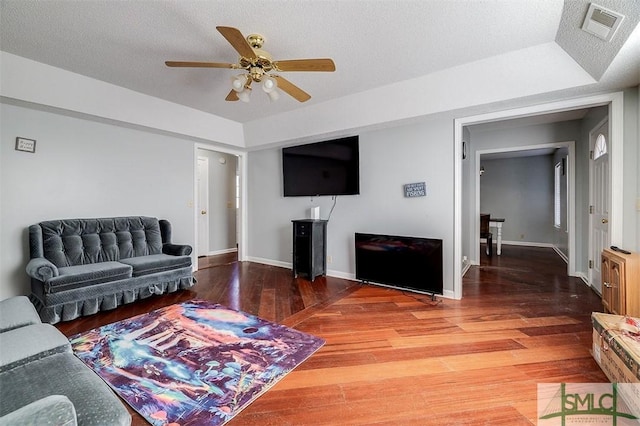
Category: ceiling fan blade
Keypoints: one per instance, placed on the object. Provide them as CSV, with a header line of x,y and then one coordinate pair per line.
x,y
232,96
290,88
237,40
321,64
199,64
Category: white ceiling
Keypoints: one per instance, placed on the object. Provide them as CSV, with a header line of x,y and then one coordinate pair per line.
x,y
374,43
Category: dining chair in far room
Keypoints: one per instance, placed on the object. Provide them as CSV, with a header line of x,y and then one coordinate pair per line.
x,y
485,232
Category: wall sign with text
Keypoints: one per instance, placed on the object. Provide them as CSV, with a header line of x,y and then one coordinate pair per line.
x,y
26,145
417,189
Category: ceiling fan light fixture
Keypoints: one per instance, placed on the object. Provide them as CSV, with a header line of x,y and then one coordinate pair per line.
x,y
273,95
269,86
238,82
245,95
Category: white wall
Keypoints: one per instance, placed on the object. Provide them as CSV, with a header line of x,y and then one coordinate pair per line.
x,y
388,159
538,69
520,190
631,170
637,89
38,83
82,169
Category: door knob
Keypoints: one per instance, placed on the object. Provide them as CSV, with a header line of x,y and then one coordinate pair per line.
x,y
605,220
203,212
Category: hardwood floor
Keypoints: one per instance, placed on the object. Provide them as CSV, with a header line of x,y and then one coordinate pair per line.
x,y
394,357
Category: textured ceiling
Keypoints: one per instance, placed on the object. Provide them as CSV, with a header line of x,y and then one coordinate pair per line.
x,y
374,43
594,54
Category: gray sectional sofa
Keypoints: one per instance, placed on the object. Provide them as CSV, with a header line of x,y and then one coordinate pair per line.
x,y
42,381
81,266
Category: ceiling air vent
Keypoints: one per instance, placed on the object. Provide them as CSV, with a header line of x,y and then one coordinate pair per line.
x,y
601,22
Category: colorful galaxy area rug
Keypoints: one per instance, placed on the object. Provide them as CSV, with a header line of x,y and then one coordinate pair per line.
x,y
194,363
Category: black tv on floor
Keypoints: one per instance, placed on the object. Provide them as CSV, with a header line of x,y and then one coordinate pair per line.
x,y
406,263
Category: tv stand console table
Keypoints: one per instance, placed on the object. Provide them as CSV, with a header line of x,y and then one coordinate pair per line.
x,y
309,247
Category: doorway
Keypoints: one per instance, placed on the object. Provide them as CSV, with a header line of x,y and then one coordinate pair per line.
x,y
530,176
464,227
219,215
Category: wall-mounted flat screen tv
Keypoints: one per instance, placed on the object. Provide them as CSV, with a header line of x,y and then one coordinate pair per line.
x,y
322,168
409,263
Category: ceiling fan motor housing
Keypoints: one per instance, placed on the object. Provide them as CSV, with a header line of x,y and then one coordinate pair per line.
x,y
255,40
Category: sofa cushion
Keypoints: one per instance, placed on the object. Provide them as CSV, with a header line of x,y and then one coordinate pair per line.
x,y
63,374
54,410
85,275
73,242
17,312
26,344
145,265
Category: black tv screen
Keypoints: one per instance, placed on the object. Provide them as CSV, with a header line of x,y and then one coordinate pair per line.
x,y
322,168
410,263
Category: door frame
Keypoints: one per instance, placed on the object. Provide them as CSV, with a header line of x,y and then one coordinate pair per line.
x,y
616,126
591,165
241,224
571,197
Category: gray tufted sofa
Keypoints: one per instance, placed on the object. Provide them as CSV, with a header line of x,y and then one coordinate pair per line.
x,y
42,381
81,266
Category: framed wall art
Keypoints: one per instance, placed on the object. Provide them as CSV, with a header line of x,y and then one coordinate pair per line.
x,y
25,145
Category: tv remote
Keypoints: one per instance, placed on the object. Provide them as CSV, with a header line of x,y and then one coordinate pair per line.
x,y
614,248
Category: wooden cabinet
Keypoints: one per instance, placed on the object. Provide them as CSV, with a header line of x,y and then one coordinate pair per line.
x,y
309,248
621,283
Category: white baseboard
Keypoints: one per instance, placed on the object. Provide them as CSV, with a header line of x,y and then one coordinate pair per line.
x,y
584,278
466,266
223,251
340,274
289,265
270,262
527,243
561,254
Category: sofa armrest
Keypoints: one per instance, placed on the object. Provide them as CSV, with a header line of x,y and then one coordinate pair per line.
x,y
41,269
29,343
51,410
167,246
17,312
177,249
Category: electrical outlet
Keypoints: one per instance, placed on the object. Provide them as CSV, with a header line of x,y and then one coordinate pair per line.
x,y
464,259
190,204
329,259
522,236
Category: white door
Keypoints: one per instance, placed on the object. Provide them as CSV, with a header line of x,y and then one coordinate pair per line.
x,y
203,206
600,200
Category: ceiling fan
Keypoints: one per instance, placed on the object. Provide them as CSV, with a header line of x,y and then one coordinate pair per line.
x,y
259,67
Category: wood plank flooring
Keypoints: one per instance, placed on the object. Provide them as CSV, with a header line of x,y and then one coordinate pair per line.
x,y
394,357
